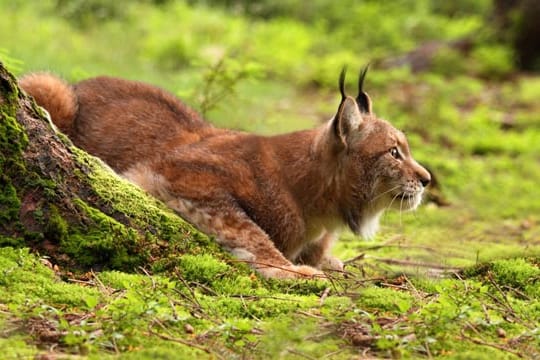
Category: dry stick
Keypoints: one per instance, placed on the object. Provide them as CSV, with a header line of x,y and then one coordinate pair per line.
x,y
486,313
295,352
258,297
333,280
519,292
324,296
330,354
204,287
503,294
178,340
305,313
428,352
102,286
382,246
183,342
394,286
192,299
356,258
465,284
496,346
149,276
244,305
84,282
416,292
500,305
193,296
414,263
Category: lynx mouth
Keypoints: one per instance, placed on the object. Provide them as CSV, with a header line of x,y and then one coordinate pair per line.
x,y
406,196
407,200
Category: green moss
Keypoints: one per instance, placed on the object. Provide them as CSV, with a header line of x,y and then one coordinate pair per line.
x,y
10,93
240,284
104,241
202,268
13,140
12,241
256,307
57,226
485,353
518,273
300,338
16,347
120,280
9,204
26,281
163,350
386,299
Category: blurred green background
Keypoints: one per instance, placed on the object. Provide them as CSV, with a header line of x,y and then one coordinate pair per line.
x,y
460,77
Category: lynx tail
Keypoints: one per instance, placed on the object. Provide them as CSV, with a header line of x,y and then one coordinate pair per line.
x,y
55,95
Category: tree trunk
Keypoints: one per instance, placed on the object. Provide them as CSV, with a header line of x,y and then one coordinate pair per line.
x,y
61,202
516,22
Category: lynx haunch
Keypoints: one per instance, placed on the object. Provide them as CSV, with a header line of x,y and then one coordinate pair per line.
x,y
276,202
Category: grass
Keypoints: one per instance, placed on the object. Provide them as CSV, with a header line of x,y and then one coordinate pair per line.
x,y
477,132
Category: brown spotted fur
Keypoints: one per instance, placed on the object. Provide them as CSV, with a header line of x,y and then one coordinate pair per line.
x,y
276,202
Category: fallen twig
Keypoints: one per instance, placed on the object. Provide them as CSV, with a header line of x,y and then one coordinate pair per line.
x,y
414,263
356,258
493,345
324,296
178,340
295,352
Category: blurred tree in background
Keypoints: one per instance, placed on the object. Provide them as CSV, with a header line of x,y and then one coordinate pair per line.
x,y
517,24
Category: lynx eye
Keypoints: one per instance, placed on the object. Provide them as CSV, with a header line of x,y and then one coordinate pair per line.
x,y
395,153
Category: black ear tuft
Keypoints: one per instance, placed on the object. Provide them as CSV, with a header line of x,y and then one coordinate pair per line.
x,y
363,100
361,78
342,83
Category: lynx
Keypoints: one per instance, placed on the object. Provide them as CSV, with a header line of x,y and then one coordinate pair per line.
x,y
276,202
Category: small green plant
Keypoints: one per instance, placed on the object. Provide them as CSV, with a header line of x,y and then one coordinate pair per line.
x,y
220,82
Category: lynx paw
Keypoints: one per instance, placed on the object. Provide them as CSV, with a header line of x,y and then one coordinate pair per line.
x,y
293,272
331,263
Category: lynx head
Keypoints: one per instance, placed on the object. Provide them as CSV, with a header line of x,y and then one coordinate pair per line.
x,y
377,170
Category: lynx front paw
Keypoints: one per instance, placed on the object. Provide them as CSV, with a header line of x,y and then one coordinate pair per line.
x,y
331,263
292,272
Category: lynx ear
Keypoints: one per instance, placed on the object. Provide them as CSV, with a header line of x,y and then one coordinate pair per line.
x,y
347,120
363,100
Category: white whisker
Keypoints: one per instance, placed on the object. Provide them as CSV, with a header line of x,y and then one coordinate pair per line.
x,y
383,193
400,211
391,202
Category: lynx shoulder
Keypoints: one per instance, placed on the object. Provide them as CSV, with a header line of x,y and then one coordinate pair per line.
x,y
276,202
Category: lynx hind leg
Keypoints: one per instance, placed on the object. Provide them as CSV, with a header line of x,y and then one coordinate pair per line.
x,y
243,238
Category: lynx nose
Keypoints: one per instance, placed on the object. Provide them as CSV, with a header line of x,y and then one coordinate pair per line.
x,y
424,177
422,174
